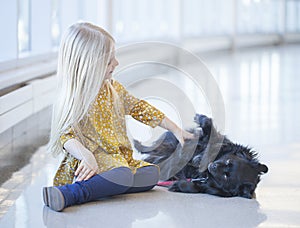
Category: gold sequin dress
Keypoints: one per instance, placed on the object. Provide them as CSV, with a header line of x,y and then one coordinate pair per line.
x,y
103,132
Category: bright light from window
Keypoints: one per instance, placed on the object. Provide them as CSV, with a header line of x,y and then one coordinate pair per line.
x,y
23,26
119,27
55,27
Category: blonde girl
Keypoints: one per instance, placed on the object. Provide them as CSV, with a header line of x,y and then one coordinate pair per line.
x,y
88,124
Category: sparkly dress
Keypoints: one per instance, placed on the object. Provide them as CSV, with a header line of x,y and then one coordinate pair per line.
x,y
103,132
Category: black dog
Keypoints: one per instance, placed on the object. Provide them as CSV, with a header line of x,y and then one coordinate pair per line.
x,y
233,171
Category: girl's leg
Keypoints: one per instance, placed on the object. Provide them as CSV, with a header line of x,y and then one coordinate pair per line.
x,y
112,182
145,179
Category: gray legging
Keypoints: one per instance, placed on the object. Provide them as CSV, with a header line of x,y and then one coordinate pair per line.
x,y
113,182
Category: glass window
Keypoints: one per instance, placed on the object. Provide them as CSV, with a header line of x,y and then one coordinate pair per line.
x,y
8,25
292,16
23,26
135,20
94,11
199,17
55,23
259,16
30,30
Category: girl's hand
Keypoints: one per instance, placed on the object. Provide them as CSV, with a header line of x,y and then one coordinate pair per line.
x,y
179,133
88,167
183,135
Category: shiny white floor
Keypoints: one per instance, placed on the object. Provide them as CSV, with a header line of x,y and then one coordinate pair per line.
x,y
261,92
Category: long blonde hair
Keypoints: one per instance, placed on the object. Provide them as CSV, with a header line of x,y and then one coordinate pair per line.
x,y
83,58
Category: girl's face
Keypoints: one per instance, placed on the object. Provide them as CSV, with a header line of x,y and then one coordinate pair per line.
x,y
113,63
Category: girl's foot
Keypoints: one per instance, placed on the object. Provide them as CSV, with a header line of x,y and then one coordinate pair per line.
x,y
53,198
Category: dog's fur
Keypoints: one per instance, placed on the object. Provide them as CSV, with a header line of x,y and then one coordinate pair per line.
x,y
234,171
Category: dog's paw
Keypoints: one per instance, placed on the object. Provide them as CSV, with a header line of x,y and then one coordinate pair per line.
x,y
200,118
204,122
184,186
179,186
137,144
174,187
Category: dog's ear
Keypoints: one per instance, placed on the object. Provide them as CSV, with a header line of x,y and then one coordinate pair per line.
x,y
246,190
261,168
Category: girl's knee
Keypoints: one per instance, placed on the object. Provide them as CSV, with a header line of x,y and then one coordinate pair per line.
x,y
121,176
146,176
151,170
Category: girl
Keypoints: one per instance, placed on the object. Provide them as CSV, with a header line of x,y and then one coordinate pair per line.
x,y
88,124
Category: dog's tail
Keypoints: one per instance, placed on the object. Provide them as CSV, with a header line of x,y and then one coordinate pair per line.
x,y
141,148
138,145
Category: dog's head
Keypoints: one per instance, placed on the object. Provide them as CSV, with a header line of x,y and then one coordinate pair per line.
x,y
236,170
236,174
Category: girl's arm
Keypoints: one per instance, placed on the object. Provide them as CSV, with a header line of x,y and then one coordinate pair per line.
x,y
179,133
148,114
88,166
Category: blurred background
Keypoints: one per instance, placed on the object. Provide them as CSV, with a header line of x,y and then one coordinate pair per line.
x,y
32,28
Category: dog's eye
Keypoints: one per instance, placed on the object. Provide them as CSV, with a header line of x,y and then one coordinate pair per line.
x,y
228,163
226,175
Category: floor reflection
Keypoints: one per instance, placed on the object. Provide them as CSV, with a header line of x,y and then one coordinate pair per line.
x,y
169,210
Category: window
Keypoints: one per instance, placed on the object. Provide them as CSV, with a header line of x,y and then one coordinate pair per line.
x,y
34,27
55,23
23,26
259,16
8,25
293,16
199,18
135,20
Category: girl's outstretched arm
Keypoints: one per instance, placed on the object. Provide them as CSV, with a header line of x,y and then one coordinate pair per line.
x,y
179,133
